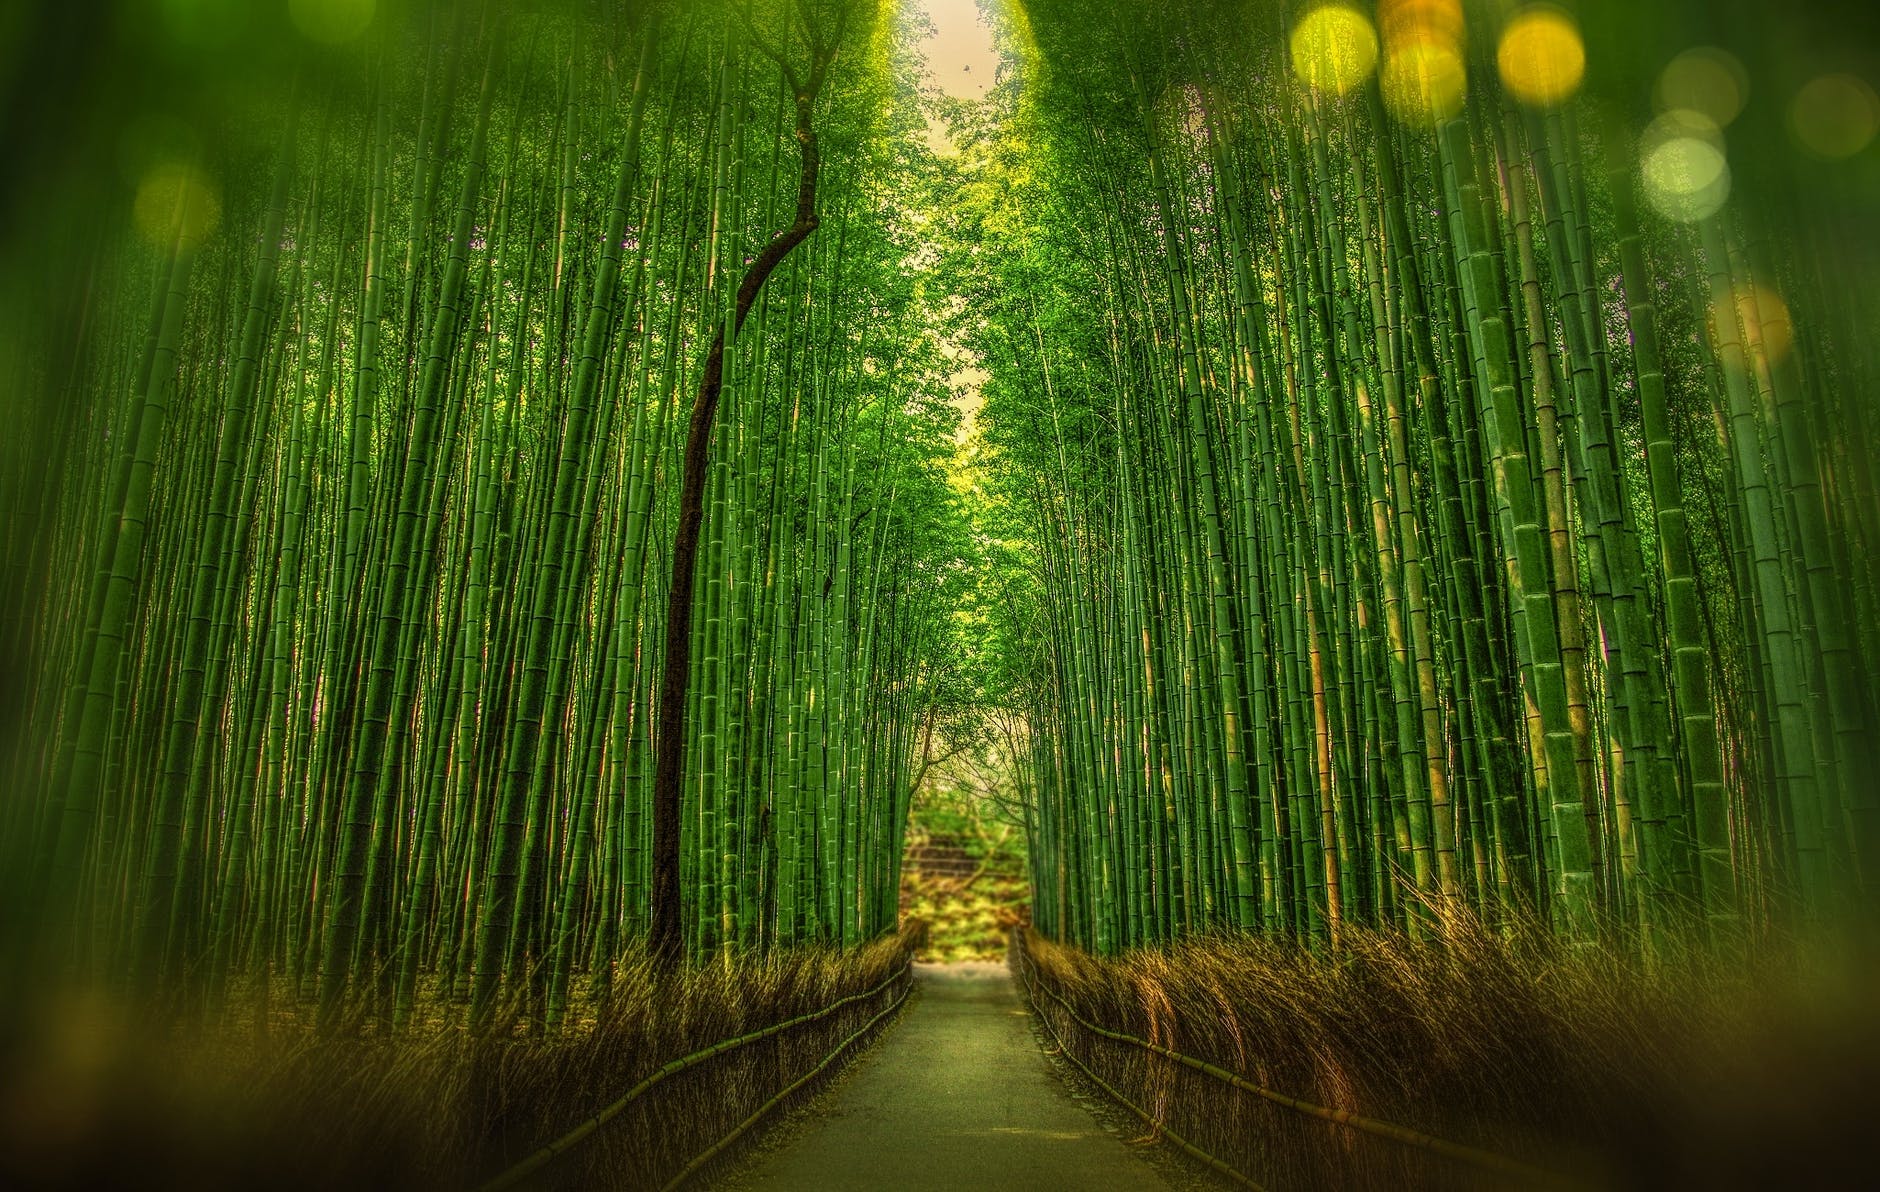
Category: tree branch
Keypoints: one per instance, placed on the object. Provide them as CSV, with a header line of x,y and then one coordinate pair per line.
x,y
666,934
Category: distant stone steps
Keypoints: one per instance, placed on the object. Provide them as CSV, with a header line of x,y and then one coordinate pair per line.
x,y
946,856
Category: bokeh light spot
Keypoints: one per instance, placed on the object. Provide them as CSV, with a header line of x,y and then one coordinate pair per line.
x,y
1764,319
331,21
1402,21
1334,48
1541,57
1705,80
1835,116
1424,81
1683,166
176,203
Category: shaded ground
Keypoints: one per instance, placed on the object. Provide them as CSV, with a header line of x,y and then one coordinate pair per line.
x,y
956,1095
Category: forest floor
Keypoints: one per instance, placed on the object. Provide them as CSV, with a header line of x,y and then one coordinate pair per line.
x,y
958,1094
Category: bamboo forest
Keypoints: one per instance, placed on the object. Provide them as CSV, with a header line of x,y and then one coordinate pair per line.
x,y
927,594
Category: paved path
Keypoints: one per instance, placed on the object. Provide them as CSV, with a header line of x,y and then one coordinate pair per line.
x,y
955,1096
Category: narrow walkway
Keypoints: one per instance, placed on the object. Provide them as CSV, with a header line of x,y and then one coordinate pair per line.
x,y
956,1096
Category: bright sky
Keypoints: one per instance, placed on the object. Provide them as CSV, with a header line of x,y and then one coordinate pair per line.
x,y
961,60
959,54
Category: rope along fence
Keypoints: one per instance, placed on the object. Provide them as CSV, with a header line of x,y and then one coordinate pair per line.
x,y
533,1164
712,1152
1190,1148
1524,1174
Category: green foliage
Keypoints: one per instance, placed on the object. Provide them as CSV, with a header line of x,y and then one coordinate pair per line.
x,y
349,597
1386,512
965,875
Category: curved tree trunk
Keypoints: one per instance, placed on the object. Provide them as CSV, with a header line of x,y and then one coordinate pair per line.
x,y
665,937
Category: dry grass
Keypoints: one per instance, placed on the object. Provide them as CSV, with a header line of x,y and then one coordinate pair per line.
x,y
1693,1073
92,1099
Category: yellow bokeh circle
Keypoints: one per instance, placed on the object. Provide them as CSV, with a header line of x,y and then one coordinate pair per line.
x,y
176,204
1706,80
1835,116
1541,57
1682,164
1424,81
1334,48
1764,318
1433,20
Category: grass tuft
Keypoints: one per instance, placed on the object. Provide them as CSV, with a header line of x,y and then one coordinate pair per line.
x,y
1690,1072
98,1098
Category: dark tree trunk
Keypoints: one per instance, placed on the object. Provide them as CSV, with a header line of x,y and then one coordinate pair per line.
x,y
666,930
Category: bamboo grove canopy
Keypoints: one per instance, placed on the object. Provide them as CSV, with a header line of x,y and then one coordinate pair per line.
x,y
1436,441
353,583
1425,460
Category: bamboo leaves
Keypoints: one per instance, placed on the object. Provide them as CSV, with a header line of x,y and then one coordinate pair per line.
x,y
401,677
1392,501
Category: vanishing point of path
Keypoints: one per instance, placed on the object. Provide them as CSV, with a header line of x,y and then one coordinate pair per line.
x,y
956,1095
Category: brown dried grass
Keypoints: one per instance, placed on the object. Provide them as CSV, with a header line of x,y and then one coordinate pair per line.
x,y
1689,1072
95,1098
